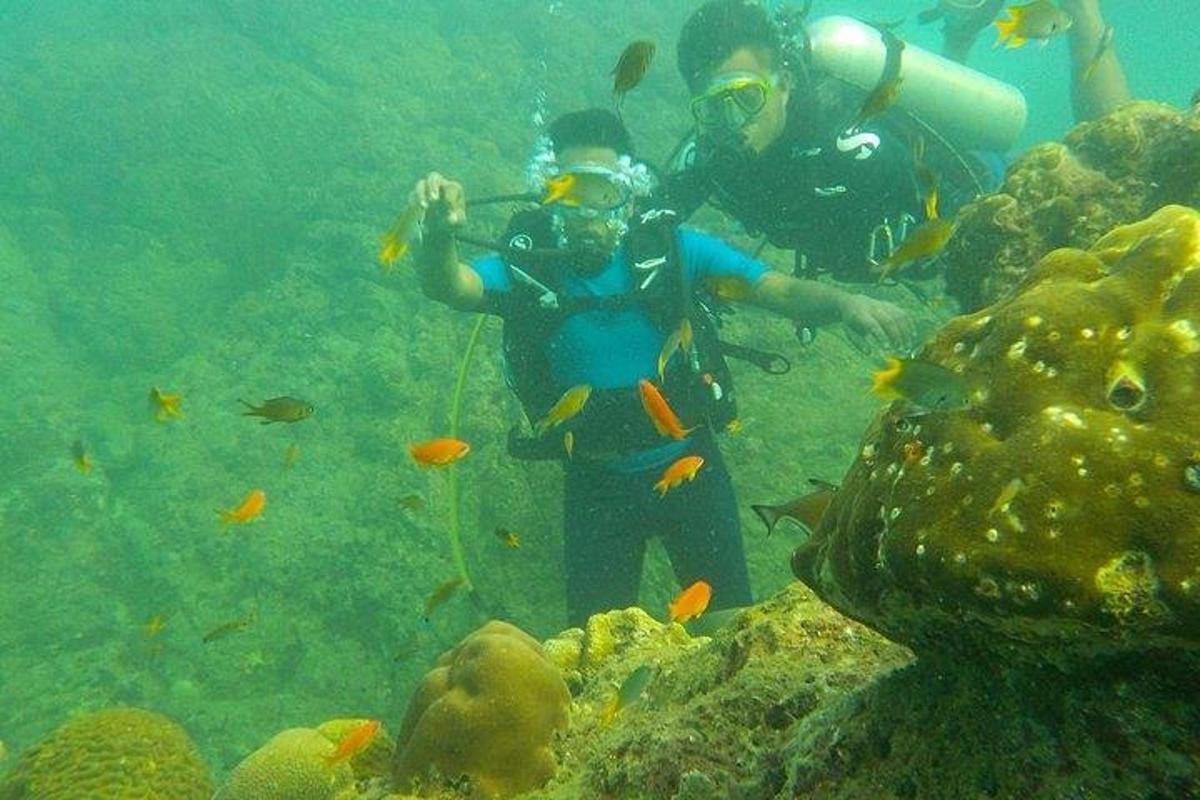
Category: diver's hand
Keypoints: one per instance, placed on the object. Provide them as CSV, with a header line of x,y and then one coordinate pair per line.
x,y
877,324
444,201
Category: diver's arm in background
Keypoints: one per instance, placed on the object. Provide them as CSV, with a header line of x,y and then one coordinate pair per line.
x,y
443,276
1095,89
963,22
880,323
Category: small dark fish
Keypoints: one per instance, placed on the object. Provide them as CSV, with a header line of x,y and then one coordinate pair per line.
x,y
227,628
806,509
1102,47
279,409
80,457
441,594
929,386
408,648
413,502
631,67
510,537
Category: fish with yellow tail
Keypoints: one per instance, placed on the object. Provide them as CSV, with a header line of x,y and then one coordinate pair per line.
x,y
679,339
927,386
399,238
165,405
561,189
1041,20
660,412
926,241
569,405
81,458
681,470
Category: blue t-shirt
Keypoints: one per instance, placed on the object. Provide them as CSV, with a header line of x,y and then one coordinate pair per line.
x,y
615,348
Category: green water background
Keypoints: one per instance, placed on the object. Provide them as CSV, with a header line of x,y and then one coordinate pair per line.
x,y
191,197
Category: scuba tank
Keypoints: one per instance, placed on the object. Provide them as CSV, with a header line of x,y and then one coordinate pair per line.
x,y
971,110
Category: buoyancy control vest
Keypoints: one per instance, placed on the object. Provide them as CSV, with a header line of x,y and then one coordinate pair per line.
x,y
699,386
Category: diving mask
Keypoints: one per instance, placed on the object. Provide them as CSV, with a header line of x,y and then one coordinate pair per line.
x,y
732,100
589,190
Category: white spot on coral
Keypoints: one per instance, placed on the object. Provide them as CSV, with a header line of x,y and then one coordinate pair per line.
x,y
984,320
895,512
1051,372
1136,479
1185,334
1082,472
960,558
920,549
992,535
1032,321
986,427
1053,533
1017,348
1087,333
960,346
1141,501
956,468
1063,417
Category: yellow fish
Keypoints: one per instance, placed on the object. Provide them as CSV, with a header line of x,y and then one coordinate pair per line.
x,y
570,404
398,240
925,384
1040,20
569,444
561,189
925,241
155,625
165,406
681,340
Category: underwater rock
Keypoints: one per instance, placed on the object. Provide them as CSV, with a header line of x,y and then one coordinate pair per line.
x,y
488,710
1057,517
1107,172
293,765
117,754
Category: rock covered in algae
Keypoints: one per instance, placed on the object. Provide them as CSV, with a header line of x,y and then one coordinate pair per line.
x,y
1107,172
1061,511
488,710
116,754
293,765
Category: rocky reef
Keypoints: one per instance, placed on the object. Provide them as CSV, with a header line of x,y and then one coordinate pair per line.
x,y
1105,173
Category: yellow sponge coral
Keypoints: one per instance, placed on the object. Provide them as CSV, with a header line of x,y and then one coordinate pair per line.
x,y
291,766
115,754
488,710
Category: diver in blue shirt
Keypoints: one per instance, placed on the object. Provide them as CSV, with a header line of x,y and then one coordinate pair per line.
x,y
590,287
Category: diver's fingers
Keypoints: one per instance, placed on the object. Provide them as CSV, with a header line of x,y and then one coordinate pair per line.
x,y
897,326
456,202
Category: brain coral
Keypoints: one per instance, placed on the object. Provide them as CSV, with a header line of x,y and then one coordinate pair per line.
x,y
1107,172
1062,508
291,766
488,709
115,754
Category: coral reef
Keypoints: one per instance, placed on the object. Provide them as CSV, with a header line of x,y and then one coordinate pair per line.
x,y
116,754
1057,516
1107,172
293,765
488,710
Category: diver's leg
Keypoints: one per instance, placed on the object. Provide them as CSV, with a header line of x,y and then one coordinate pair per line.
x,y
603,543
705,539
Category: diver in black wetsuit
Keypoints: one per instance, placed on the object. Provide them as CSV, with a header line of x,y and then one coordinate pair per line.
x,y
773,151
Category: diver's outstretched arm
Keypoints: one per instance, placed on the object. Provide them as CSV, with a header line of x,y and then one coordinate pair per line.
x,y
1098,82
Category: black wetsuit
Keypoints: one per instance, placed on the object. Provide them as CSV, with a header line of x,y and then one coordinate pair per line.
x,y
836,199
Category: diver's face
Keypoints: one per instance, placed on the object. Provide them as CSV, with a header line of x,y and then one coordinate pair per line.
x,y
766,125
593,233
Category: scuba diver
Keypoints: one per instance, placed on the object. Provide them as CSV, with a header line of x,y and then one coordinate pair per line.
x,y
785,143
595,290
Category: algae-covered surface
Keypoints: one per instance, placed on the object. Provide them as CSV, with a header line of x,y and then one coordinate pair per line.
x,y
191,199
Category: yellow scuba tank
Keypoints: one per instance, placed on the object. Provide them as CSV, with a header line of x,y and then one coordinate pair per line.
x,y
971,110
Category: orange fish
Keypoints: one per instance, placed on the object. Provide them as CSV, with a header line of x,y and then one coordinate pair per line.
x,y
691,602
354,742
250,508
398,240
438,452
631,67
683,469
165,406
664,419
